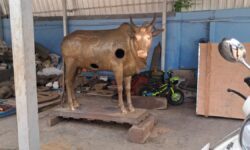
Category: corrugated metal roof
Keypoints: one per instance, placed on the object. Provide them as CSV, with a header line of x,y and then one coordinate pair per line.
x,y
47,8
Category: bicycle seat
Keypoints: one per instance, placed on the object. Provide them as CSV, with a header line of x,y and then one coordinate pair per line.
x,y
247,81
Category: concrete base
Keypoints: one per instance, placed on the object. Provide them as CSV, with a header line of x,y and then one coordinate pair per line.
x,y
140,133
177,128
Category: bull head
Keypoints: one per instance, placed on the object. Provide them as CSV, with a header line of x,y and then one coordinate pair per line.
x,y
142,36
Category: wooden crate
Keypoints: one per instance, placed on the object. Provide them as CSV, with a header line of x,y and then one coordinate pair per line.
x,y
215,76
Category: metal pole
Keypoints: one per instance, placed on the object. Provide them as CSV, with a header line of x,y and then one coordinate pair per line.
x,y
22,32
163,39
65,25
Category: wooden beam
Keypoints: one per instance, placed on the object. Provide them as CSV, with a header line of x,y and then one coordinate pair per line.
x,y
22,33
163,39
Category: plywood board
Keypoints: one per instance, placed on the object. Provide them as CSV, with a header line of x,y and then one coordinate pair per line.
x,y
215,76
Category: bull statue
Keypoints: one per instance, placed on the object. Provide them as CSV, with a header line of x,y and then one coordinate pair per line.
x,y
122,50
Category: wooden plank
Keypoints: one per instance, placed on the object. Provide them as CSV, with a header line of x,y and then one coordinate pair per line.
x,y
48,96
111,114
223,75
101,108
156,58
53,120
50,103
22,33
150,102
106,93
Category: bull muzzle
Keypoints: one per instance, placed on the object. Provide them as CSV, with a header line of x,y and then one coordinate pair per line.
x,y
142,53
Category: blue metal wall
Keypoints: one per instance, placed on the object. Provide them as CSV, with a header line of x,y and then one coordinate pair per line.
x,y
48,33
184,31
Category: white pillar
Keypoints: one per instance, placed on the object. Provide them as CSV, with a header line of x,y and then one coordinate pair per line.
x,y
65,25
22,33
163,39
65,32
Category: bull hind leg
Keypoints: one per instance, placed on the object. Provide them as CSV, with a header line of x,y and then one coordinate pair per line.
x,y
127,81
119,80
75,101
69,75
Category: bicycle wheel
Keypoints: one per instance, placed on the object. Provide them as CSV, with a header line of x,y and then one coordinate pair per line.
x,y
176,98
145,90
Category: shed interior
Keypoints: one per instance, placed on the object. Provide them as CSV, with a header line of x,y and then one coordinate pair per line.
x,y
176,49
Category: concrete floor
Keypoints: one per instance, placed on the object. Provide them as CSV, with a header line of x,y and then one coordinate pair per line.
x,y
178,129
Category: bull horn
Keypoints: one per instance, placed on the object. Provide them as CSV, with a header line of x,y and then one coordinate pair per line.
x,y
132,22
152,22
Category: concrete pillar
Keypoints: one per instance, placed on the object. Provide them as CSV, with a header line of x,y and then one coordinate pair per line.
x,y
22,33
65,25
164,33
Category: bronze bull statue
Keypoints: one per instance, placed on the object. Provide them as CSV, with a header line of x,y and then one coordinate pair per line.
x,y
122,50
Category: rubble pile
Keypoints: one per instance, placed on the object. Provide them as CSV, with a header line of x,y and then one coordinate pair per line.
x,y
48,68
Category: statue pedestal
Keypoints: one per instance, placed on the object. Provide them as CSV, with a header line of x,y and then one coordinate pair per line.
x,y
104,109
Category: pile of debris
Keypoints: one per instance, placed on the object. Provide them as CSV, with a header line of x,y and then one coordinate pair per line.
x,y
48,69
95,83
6,70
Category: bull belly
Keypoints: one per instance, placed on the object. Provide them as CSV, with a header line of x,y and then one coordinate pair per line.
x,y
95,67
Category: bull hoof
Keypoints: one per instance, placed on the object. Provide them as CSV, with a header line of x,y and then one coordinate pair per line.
x,y
131,109
72,108
124,110
76,104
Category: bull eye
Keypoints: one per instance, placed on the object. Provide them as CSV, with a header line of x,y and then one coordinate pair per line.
x,y
138,37
119,53
95,66
148,37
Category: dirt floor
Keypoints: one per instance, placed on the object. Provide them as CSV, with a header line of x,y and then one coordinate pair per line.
x,y
178,128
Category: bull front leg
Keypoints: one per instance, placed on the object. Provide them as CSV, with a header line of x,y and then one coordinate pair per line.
x,y
69,77
127,81
75,101
119,80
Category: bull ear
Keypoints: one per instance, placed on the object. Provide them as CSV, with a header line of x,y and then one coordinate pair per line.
x,y
157,32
